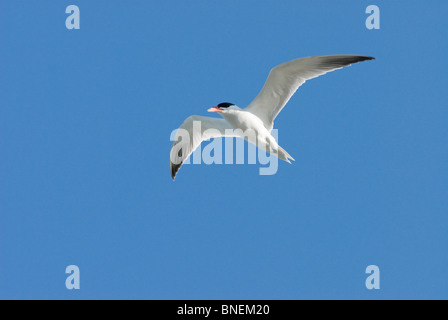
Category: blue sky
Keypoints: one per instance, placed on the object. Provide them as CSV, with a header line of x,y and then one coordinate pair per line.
x,y
85,121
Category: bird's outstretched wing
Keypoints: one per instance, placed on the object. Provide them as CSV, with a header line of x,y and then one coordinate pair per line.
x,y
284,80
191,133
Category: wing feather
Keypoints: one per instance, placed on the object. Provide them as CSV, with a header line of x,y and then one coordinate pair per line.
x,y
284,80
190,135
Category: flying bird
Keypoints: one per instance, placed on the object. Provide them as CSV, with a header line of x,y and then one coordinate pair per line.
x,y
282,82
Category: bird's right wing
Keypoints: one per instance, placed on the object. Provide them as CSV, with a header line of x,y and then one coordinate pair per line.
x,y
190,135
286,78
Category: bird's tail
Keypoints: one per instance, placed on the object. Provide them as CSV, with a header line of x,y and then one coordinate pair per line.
x,y
282,154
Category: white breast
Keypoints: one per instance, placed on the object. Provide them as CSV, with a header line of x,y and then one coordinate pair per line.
x,y
247,121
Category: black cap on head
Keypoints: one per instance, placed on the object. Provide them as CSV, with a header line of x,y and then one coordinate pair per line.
x,y
225,105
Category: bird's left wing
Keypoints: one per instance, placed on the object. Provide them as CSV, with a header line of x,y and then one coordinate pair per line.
x,y
284,80
190,135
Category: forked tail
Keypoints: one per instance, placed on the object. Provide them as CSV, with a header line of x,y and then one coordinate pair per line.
x,y
282,154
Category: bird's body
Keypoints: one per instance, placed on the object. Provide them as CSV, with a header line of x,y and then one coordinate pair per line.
x,y
255,122
247,122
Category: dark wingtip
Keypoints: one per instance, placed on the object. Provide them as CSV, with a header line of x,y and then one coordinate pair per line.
x,y
174,169
355,59
338,61
364,58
